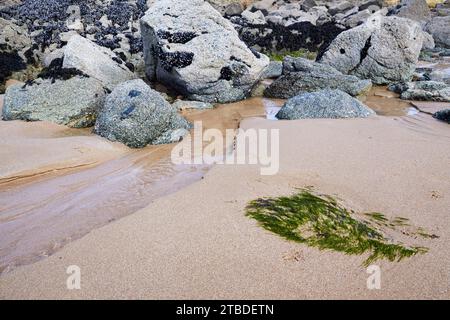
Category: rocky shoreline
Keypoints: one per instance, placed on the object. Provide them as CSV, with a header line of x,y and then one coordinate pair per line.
x,y
62,49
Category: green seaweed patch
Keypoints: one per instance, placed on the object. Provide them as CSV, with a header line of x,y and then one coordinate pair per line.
x,y
302,53
319,221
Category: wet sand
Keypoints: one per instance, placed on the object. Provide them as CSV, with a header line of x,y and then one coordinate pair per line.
x,y
197,243
387,103
75,181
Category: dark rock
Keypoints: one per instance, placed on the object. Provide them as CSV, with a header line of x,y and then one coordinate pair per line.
x,y
10,62
302,35
369,4
55,71
340,7
14,50
443,115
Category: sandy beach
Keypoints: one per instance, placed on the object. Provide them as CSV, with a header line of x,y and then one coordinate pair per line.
x,y
224,149
197,242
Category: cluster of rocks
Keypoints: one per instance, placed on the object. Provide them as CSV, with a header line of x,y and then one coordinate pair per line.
x,y
30,30
95,54
88,85
189,47
278,25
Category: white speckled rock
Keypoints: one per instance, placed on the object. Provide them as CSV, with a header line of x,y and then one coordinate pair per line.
x,y
189,46
384,49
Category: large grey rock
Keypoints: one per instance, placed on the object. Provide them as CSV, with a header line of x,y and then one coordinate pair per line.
x,y
95,61
439,28
303,75
189,46
333,104
416,10
308,4
73,102
137,115
384,49
423,90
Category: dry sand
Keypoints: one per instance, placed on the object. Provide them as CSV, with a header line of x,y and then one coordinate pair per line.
x,y
197,243
32,149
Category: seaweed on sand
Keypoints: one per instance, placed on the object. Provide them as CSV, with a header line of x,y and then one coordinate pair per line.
x,y
319,221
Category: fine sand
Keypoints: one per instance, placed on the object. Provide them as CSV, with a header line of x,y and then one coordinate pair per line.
x,y
197,242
